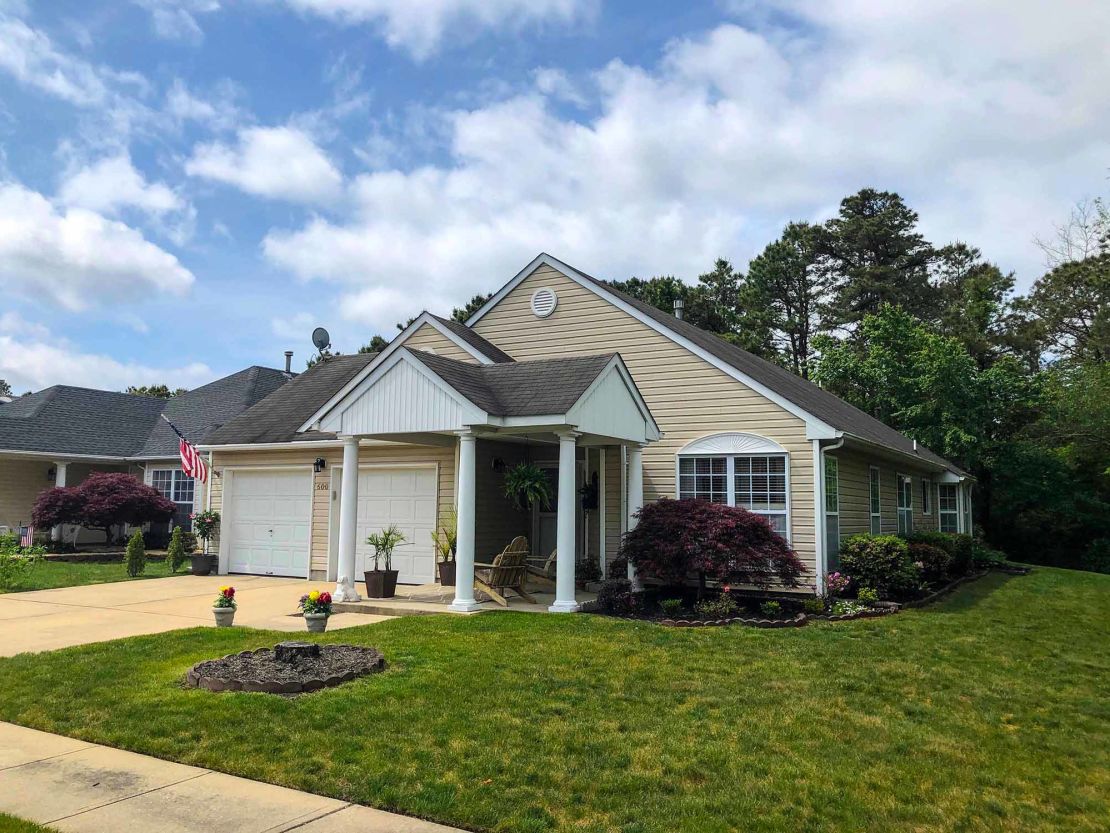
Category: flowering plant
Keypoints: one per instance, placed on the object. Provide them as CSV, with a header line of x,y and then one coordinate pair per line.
x,y
836,583
316,602
205,524
226,597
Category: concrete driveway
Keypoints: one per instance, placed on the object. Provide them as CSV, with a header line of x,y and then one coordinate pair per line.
x,y
43,620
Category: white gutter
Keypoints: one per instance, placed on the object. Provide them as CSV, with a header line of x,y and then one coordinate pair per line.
x,y
821,542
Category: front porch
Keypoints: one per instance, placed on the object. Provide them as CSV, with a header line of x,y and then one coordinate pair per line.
x,y
570,414
431,599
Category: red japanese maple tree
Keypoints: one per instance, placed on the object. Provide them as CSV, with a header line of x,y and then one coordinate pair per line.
x,y
104,500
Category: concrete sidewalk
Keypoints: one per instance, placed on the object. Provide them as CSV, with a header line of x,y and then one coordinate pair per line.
x,y
85,788
44,620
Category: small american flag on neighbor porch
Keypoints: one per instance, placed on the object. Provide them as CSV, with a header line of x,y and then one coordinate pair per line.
x,y
27,536
191,461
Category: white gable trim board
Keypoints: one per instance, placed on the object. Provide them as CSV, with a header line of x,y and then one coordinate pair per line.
x,y
815,428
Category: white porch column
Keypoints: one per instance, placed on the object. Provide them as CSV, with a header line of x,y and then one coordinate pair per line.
x,y
635,499
564,529
59,481
464,550
348,523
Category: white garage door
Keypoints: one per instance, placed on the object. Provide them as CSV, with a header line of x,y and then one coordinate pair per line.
x,y
269,517
402,496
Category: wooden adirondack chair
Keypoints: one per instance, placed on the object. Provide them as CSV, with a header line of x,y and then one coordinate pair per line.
x,y
542,570
507,572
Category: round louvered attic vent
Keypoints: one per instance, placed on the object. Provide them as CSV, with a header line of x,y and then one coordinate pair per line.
x,y
544,302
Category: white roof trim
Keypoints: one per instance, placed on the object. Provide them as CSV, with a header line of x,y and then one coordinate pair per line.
x,y
732,442
617,364
815,428
424,318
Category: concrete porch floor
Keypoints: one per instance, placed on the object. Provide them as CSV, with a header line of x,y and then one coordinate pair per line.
x,y
424,599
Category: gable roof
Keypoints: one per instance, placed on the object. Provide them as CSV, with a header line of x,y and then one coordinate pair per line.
x,y
278,417
531,388
765,377
74,421
491,351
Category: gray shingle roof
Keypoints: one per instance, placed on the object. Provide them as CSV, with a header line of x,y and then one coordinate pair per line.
x,y
82,421
532,388
277,417
827,407
486,348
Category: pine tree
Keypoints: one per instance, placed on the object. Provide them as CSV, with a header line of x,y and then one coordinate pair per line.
x,y
136,555
175,555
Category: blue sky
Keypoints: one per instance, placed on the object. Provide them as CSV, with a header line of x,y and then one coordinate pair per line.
x,y
190,186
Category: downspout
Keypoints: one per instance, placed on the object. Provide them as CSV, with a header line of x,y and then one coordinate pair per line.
x,y
821,542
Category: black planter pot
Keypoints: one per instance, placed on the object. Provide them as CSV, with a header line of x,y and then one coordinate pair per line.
x,y
201,564
381,584
447,573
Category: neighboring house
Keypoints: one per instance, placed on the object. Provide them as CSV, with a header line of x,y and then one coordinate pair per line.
x,y
562,370
60,435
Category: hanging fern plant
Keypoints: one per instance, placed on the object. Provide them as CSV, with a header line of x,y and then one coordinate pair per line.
x,y
526,484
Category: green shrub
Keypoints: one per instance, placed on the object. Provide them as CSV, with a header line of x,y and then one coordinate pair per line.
x,y
847,607
16,561
616,597
933,562
671,607
136,555
175,554
189,542
1097,556
867,595
719,607
959,547
881,562
771,609
814,606
985,556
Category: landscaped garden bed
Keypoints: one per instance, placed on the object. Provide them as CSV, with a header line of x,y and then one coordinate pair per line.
x,y
287,668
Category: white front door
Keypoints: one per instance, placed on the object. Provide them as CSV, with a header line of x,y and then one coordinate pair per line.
x,y
405,496
269,523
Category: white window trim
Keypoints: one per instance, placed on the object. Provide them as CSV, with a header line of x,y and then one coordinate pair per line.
x,y
942,512
148,479
767,448
872,515
926,496
825,495
899,480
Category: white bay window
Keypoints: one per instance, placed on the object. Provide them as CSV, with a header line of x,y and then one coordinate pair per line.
x,y
742,470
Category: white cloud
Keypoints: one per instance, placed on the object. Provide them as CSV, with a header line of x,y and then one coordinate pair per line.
x,y
78,258
275,162
733,133
298,326
419,28
35,361
30,56
113,183
555,83
176,19
217,110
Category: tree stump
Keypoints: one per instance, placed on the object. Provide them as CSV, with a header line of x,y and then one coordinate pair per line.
x,y
292,651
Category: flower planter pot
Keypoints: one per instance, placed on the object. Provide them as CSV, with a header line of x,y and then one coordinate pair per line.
x,y
201,564
447,573
381,584
316,622
225,616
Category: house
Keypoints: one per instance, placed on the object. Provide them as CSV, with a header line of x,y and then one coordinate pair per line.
x,y
559,369
61,435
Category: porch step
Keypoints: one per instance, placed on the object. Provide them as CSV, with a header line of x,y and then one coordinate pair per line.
x,y
376,607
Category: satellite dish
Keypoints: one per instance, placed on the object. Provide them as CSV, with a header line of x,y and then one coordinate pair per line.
x,y
321,338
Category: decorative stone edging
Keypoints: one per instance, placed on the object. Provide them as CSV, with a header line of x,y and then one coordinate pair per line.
x,y
374,662
936,595
798,621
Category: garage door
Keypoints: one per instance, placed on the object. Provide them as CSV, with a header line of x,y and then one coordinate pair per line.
x,y
269,516
402,496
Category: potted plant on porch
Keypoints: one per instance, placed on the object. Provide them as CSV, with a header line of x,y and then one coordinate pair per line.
x,y
382,584
446,540
316,606
527,484
205,525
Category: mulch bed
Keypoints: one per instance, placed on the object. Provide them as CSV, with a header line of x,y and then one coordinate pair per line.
x,y
260,670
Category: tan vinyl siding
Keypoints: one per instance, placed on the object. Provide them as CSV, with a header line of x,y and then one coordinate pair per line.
x,y
324,490
614,523
431,340
688,397
20,483
855,505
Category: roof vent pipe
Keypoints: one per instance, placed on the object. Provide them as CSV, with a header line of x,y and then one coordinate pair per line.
x,y
288,361
679,306
915,446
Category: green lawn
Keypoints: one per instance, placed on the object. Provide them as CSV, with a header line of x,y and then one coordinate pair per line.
x,y
10,824
49,574
988,712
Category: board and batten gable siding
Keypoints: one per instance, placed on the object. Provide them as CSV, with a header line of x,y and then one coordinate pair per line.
x,y
431,340
325,487
688,397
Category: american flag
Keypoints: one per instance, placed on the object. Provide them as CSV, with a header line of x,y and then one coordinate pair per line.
x,y
191,461
27,536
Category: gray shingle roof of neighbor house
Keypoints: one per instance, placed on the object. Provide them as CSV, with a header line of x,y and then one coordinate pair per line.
x,y
531,388
82,421
491,351
827,407
277,418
